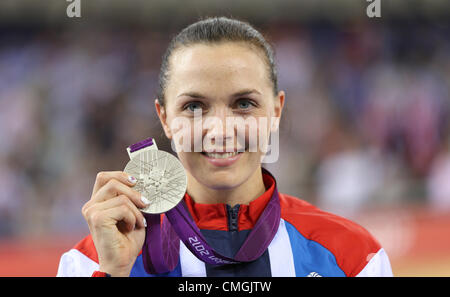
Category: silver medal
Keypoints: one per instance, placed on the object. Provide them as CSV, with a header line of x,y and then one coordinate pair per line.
x,y
161,178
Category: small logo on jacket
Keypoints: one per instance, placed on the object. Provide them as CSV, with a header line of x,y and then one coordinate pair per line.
x,y
314,274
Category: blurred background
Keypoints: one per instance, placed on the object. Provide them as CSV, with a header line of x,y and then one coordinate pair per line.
x,y
365,131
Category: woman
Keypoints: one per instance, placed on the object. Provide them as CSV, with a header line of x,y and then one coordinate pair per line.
x,y
220,68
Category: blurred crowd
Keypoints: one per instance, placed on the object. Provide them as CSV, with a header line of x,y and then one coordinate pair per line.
x,y
365,123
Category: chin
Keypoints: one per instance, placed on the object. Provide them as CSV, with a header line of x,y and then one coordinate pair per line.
x,y
223,180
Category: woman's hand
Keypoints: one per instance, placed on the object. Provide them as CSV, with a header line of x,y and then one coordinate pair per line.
x,y
116,224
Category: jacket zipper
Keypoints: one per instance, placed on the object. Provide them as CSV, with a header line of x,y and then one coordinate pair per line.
x,y
233,217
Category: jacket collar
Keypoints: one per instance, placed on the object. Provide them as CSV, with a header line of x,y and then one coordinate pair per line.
x,y
214,216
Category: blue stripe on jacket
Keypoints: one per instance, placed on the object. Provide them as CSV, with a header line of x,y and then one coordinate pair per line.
x,y
310,256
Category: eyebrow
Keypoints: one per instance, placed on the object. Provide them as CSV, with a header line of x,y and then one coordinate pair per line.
x,y
237,94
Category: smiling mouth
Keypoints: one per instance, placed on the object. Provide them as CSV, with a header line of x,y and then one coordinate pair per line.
x,y
223,155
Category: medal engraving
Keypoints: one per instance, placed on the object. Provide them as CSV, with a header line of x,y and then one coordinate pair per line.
x,y
161,178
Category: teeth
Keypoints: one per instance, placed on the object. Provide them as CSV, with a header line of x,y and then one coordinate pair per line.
x,y
221,155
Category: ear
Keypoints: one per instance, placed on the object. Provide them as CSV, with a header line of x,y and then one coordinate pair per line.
x,y
278,109
162,115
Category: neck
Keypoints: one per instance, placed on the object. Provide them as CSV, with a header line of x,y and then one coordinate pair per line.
x,y
244,193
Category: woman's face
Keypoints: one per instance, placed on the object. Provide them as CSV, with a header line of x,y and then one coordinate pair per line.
x,y
210,87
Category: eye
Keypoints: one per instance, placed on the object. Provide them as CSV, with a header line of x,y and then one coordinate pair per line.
x,y
244,104
192,106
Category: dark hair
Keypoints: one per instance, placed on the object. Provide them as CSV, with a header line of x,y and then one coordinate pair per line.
x,y
216,30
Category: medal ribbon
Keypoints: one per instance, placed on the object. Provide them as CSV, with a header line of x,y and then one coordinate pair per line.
x,y
161,247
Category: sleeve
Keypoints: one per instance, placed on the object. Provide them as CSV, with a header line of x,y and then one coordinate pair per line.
x,y
76,264
378,265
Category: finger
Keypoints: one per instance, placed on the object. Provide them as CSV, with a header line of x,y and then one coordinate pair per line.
x,y
121,214
104,177
116,202
115,188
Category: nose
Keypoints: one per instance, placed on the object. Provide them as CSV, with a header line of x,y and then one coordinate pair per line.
x,y
217,133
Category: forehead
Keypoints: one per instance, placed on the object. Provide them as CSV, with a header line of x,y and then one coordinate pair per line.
x,y
217,68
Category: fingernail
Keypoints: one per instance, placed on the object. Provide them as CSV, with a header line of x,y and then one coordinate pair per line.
x,y
132,179
145,200
144,221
